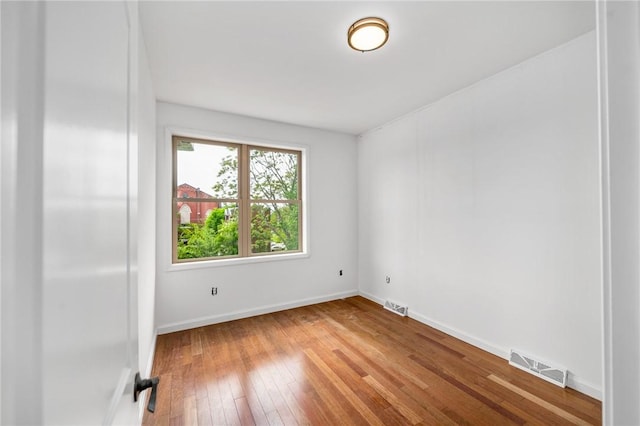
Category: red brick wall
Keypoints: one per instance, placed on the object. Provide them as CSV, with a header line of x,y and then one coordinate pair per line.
x,y
198,209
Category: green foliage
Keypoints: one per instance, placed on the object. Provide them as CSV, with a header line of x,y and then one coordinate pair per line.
x,y
194,241
287,232
274,223
260,229
216,238
215,219
226,238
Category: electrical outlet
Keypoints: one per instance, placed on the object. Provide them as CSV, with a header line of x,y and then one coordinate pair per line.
x,y
340,273
214,291
388,279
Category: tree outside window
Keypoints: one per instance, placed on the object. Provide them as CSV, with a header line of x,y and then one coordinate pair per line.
x,y
255,204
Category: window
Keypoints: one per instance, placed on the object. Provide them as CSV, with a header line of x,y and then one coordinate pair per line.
x,y
234,200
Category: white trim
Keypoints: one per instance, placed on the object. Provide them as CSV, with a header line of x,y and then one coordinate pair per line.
x,y
247,313
584,387
479,343
573,381
152,353
605,211
147,373
169,132
186,266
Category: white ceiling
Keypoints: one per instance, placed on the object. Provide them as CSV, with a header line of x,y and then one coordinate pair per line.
x,y
290,62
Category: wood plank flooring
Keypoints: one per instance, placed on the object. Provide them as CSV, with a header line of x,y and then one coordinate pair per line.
x,y
347,362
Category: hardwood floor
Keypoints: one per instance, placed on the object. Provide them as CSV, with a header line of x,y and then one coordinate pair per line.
x,y
347,362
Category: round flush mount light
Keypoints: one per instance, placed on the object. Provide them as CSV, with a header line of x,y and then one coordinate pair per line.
x,y
368,34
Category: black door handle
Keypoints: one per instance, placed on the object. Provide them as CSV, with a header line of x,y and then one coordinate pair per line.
x,y
141,384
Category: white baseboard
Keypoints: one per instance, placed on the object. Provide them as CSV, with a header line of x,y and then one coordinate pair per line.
x,y
371,297
215,319
573,381
584,387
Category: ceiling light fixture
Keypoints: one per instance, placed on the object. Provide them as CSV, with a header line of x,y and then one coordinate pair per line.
x,y
368,34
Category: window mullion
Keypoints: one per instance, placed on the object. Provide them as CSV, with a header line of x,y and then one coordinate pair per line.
x,y
244,230
300,206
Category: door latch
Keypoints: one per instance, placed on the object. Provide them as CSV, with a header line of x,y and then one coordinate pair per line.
x,y
141,384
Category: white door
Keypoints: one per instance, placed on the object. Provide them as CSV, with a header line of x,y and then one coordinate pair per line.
x,y
81,329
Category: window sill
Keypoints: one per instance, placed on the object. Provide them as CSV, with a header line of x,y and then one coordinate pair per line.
x,y
234,262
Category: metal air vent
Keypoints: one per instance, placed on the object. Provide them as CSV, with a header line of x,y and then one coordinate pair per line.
x,y
542,369
402,310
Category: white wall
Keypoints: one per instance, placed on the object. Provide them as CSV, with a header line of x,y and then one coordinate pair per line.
x,y
484,210
146,212
183,297
619,31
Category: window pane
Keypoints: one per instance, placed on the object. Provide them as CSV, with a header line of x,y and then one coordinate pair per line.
x,y
274,227
205,170
273,175
206,229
